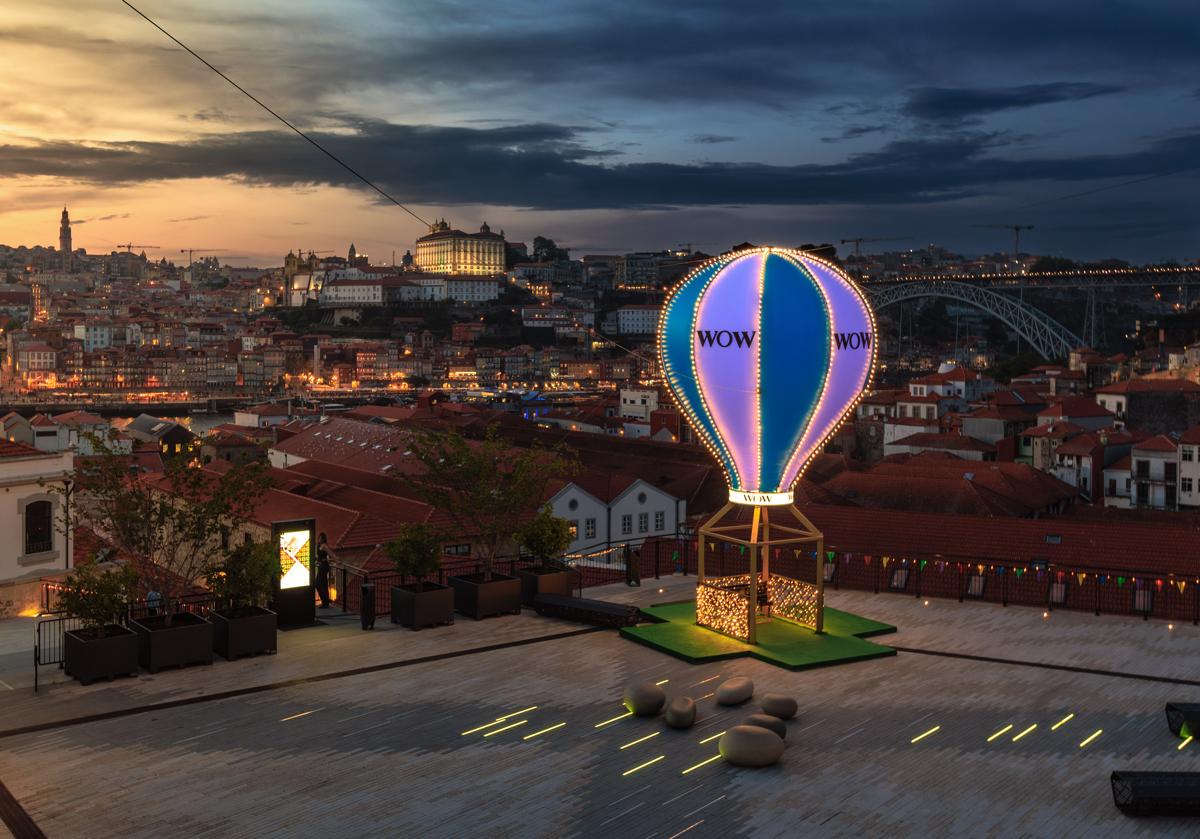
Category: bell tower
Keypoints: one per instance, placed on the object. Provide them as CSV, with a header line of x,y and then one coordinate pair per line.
x,y
64,241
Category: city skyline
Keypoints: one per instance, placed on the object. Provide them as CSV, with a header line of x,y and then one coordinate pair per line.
x,y
609,132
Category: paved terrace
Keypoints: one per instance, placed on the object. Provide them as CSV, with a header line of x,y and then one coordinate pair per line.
x,y
346,733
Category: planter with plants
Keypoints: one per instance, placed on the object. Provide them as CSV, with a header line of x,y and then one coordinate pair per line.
x,y
101,648
545,536
170,525
417,552
485,487
242,584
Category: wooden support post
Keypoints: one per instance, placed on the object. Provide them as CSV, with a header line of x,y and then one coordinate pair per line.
x,y
820,626
752,606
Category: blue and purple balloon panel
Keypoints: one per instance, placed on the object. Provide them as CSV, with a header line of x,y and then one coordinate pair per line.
x,y
766,351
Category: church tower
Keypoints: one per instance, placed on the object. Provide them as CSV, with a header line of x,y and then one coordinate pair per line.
x,y
64,241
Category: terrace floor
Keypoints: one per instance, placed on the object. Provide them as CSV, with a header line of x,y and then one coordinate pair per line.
x,y
347,733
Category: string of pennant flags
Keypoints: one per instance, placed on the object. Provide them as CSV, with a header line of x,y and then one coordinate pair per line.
x,y
1120,580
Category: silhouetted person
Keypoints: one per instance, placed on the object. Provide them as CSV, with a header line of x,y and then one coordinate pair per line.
x,y
323,570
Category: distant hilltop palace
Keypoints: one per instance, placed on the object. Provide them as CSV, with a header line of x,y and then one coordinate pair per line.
x,y
445,250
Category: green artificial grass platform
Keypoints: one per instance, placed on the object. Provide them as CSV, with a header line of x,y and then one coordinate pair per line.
x,y
780,642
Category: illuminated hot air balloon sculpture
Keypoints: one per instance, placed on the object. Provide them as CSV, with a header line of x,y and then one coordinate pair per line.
x,y
766,351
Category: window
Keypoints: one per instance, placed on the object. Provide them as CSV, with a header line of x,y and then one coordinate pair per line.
x,y
643,522
627,524
660,521
1143,469
1188,454
574,526
589,528
457,550
1169,470
1143,494
1112,486
1185,484
39,527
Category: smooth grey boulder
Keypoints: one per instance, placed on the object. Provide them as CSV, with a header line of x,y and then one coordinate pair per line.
x,y
735,691
750,745
778,705
768,722
644,699
681,712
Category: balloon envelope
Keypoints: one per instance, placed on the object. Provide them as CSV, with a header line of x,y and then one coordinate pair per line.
x,y
766,351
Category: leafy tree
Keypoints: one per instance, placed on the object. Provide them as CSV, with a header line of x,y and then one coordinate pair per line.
x,y
416,552
245,576
171,524
98,595
545,535
545,250
485,486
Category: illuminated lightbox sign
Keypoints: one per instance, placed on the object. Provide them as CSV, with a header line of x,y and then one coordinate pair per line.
x,y
766,351
295,558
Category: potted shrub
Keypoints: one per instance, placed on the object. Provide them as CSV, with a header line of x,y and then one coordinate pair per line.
x,y
417,552
242,584
101,648
485,487
545,536
169,524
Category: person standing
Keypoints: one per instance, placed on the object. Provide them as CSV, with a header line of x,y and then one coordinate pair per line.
x,y
323,556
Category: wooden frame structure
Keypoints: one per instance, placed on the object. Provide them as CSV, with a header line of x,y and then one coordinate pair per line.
x,y
759,535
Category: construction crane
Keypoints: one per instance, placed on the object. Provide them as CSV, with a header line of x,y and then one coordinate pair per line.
x,y
129,246
860,239
1016,255
1016,229
190,251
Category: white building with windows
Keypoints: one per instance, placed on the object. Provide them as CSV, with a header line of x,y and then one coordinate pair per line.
x,y
638,403
1189,468
638,319
32,537
611,511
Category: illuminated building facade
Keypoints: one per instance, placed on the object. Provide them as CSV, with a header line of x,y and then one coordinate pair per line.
x,y
446,250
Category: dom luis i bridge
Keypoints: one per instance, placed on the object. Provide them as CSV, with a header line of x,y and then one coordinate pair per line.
x,y
1003,296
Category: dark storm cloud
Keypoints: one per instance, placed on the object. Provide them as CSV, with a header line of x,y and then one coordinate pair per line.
x,y
112,216
551,167
852,132
950,104
712,139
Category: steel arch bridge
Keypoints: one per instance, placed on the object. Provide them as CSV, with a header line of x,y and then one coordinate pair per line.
x,y
1047,336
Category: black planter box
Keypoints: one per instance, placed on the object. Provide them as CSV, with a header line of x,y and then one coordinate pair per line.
x,y
539,580
477,598
432,606
88,659
239,632
188,640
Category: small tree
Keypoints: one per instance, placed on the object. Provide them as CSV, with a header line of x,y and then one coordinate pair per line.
x,y
485,486
98,595
170,524
545,535
416,552
245,577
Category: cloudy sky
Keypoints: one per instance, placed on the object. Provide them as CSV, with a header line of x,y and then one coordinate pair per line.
x,y
609,126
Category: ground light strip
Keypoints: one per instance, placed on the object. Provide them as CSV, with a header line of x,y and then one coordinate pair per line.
x,y
714,737
1061,722
1096,734
919,737
301,714
506,728
543,731
639,740
517,713
1000,732
1179,748
663,682
482,727
701,763
614,719
643,765
1023,733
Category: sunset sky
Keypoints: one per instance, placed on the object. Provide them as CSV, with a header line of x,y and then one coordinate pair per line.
x,y
609,126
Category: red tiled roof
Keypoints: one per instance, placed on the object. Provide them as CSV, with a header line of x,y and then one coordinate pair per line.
x,y
1160,443
1154,548
74,418
945,442
1122,465
1151,386
1191,436
1056,430
17,450
1075,406
1008,413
